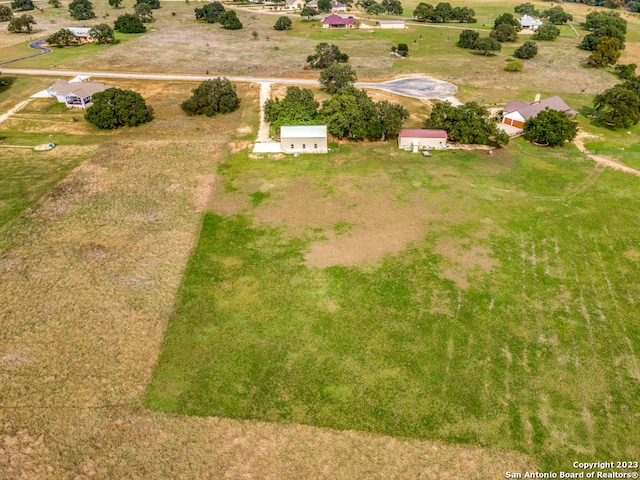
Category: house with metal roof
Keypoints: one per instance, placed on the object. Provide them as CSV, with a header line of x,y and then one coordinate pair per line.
x,y
528,22
422,139
304,139
336,21
82,33
517,113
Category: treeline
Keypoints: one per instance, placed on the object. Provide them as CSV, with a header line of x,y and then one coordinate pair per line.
x,y
632,6
443,13
607,38
350,113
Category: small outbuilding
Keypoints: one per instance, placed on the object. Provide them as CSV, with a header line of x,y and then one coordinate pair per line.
x,y
422,139
304,139
391,24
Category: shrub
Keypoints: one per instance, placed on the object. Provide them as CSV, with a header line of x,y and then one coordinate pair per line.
x,y
514,66
5,13
468,39
403,49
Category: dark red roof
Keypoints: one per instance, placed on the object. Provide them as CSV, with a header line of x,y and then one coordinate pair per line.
x,y
423,133
337,20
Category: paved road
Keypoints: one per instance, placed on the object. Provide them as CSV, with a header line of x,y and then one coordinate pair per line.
x,y
37,45
417,87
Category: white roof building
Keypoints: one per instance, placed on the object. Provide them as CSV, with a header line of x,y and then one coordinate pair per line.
x,y
304,139
527,21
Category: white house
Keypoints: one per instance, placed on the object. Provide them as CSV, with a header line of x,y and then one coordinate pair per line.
x,y
304,139
75,94
528,22
295,4
81,33
421,139
391,24
516,113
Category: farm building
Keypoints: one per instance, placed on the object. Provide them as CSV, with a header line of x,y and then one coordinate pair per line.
x,y
75,93
295,4
530,23
336,21
516,113
304,139
336,7
421,139
81,33
391,24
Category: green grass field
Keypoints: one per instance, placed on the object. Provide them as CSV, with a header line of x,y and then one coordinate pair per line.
x,y
530,344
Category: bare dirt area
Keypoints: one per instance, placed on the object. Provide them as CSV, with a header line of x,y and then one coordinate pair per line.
x,y
88,282
602,160
364,219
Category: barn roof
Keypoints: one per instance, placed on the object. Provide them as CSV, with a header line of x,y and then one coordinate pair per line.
x,y
305,131
422,133
391,22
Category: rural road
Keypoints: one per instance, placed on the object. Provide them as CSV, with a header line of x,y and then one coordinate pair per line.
x,y
416,87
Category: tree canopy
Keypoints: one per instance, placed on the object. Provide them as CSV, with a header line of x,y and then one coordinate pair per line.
x,y
324,5
129,23
551,126
115,3
153,4
335,77
103,34
5,13
625,72
326,55
230,21
505,33
352,114
487,45
557,15
283,23
210,13
598,19
308,12
81,10
442,13
63,38
526,51
298,107
21,24
144,12
115,108
547,31
392,7
469,123
507,19
607,52
526,9
619,106
468,39
212,97
22,5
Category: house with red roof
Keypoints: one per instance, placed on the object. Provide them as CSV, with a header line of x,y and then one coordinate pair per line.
x,y
517,113
336,21
422,139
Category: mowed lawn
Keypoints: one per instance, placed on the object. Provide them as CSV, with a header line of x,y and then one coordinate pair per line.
x,y
508,319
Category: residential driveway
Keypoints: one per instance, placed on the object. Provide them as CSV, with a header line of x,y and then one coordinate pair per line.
x,y
37,45
415,87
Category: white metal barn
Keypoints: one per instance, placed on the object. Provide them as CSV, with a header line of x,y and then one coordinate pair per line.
x,y
304,139
421,139
391,24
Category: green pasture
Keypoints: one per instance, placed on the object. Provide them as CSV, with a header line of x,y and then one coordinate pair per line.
x,y
537,353
58,56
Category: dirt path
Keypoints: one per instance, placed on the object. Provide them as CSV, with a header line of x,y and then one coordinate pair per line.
x,y
601,160
17,108
263,132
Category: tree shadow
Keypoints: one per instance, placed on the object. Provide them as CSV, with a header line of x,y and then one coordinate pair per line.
x,y
6,83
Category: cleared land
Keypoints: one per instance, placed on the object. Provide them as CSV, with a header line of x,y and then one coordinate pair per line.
x,y
522,268
87,286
